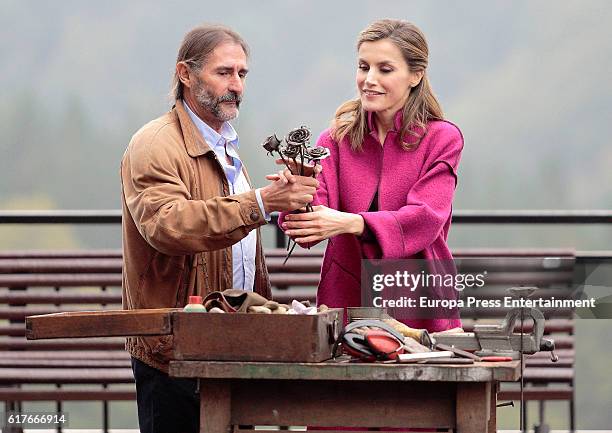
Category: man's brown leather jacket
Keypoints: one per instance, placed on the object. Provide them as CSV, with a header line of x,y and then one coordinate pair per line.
x,y
179,223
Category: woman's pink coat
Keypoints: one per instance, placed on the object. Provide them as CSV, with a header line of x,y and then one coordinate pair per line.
x,y
415,195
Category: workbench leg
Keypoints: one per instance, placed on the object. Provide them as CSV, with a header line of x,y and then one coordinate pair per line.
x,y
493,406
215,406
473,409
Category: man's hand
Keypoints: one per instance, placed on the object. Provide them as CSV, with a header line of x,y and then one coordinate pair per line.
x,y
288,192
308,169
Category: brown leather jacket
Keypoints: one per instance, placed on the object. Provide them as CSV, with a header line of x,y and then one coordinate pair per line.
x,y
179,223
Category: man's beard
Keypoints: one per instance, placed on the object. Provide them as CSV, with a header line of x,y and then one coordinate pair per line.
x,y
214,104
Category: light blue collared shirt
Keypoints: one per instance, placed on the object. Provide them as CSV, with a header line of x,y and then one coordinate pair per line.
x,y
226,142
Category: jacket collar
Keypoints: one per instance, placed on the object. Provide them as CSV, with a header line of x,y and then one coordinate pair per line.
x,y
397,122
397,127
194,142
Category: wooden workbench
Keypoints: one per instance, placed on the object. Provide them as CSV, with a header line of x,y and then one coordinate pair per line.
x,y
461,398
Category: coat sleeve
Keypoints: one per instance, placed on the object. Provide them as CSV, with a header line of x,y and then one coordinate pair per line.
x,y
416,225
164,210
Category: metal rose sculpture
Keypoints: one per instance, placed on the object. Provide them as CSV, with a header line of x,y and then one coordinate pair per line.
x,y
296,148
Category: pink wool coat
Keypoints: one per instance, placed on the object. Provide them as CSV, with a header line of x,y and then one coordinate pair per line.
x,y
414,206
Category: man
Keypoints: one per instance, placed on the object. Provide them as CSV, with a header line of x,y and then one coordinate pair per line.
x,y
190,218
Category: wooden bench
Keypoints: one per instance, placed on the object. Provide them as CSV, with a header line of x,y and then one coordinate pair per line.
x,y
40,282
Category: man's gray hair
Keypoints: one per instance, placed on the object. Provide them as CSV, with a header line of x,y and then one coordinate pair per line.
x,y
197,46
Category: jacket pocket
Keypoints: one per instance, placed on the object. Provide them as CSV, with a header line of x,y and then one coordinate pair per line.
x,y
160,348
339,288
162,281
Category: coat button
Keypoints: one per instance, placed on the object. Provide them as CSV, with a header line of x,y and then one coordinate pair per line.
x,y
254,215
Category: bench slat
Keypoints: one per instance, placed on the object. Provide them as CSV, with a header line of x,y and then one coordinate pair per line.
x,y
61,354
549,375
537,393
53,265
66,375
110,343
60,280
82,394
18,297
26,361
546,362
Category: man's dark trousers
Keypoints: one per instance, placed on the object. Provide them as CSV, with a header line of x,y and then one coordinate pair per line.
x,y
165,404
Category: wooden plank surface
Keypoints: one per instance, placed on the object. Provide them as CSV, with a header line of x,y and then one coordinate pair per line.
x,y
256,337
348,404
492,425
473,407
215,406
478,372
100,323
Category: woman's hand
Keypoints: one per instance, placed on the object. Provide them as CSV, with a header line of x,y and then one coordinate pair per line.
x,y
322,223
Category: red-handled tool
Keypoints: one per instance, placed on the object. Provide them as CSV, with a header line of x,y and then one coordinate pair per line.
x,y
495,358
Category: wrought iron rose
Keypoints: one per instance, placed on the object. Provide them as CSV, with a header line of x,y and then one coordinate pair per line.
x,y
298,136
318,153
296,148
291,151
271,144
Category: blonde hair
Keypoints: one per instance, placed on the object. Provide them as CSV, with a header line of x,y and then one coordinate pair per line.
x,y
421,106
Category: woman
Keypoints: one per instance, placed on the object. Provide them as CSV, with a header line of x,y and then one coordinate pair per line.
x,y
386,190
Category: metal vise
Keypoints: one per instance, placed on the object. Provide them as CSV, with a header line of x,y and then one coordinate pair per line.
x,y
500,339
